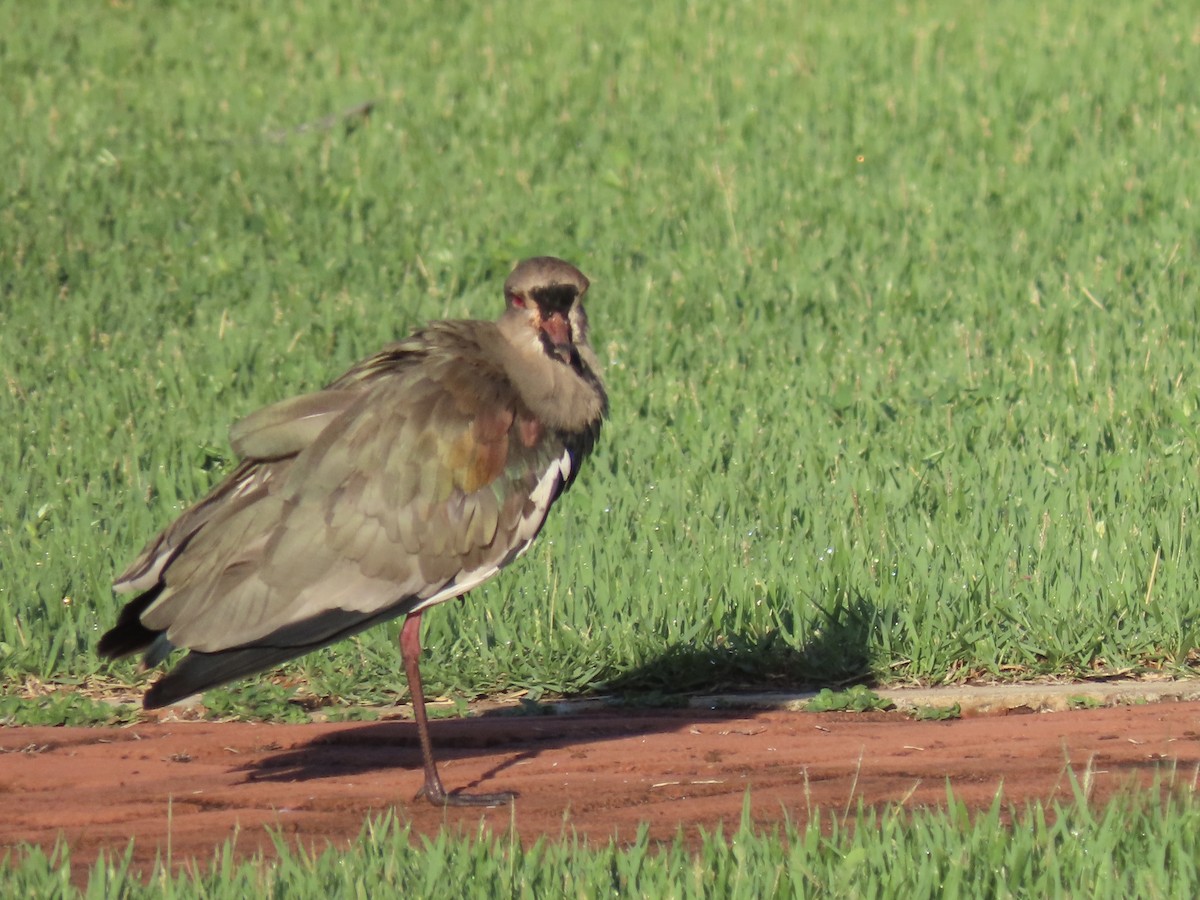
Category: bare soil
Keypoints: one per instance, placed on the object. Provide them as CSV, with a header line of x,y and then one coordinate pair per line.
x,y
192,786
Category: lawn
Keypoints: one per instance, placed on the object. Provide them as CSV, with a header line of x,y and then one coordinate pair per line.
x,y
897,304
1133,848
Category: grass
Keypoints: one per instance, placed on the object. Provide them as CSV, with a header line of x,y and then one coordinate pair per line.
x,y
856,699
897,313
897,305
64,707
1133,847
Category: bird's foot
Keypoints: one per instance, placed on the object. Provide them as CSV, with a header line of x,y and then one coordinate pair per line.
x,y
439,796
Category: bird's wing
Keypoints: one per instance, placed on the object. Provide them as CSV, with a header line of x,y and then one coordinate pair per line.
x,y
434,478
266,441
285,428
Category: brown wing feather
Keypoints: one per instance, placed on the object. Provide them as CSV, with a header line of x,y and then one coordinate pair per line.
x,y
266,441
426,476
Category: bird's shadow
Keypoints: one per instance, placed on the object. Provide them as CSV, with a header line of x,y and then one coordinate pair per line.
x,y
355,750
833,653
358,749
659,695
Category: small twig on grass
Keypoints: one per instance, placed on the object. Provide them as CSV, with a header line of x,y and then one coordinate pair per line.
x,y
727,192
1153,575
351,118
1096,303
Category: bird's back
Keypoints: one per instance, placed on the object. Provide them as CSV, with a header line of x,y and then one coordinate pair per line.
x,y
409,480
414,477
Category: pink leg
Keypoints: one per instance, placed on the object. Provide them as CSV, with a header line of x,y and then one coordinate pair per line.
x,y
410,651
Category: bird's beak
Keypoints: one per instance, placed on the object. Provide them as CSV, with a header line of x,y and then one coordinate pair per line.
x,y
558,329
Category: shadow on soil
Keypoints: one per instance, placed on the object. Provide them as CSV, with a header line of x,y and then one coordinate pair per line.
x,y
359,749
649,698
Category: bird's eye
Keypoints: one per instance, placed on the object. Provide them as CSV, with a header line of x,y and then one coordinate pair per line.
x,y
518,301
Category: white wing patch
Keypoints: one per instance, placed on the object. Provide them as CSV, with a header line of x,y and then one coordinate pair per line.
x,y
541,497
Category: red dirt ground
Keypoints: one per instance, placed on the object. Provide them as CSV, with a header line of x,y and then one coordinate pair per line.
x,y
597,774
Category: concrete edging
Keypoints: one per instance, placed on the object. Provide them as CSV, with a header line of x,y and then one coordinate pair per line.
x,y
991,699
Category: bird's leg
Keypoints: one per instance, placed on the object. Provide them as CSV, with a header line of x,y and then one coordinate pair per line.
x,y
410,651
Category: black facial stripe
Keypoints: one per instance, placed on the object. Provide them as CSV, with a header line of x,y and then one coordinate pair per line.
x,y
555,298
573,359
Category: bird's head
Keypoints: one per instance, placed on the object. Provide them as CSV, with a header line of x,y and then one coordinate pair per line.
x,y
546,295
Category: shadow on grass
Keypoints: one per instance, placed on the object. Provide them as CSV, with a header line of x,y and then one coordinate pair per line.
x,y
834,654
644,700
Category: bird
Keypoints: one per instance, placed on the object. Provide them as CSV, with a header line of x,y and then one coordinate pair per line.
x,y
414,477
